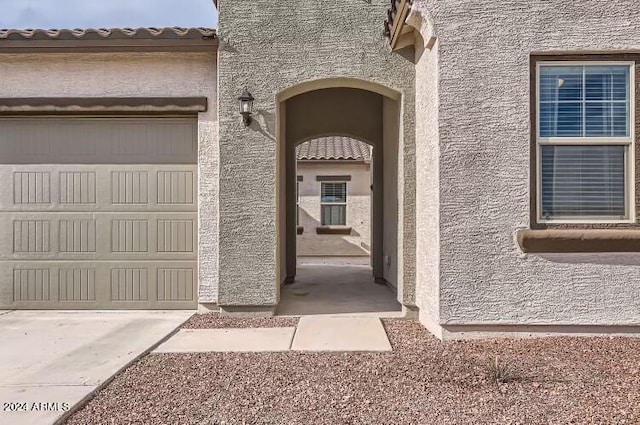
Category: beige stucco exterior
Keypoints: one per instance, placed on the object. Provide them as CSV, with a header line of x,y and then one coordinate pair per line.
x,y
264,45
473,135
450,122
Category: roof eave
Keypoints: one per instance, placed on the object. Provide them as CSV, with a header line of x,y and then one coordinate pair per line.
x,y
109,46
400,35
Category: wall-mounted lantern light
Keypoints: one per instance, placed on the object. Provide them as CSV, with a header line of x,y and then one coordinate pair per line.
x,y
246,106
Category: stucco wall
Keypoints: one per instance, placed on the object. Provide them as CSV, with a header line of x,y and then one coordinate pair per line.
x,y
358,210
484,130
137,75
392,252
427,185
271,46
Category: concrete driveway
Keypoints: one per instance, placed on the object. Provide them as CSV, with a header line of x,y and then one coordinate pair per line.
x,y
51,361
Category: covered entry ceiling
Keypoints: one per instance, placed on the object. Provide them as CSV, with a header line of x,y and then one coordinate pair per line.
x,y
98,213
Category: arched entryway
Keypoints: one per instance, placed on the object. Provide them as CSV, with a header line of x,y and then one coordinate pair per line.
x,y
334,191
355,109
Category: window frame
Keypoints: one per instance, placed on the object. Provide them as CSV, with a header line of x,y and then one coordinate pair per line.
x,y
628,142
346,200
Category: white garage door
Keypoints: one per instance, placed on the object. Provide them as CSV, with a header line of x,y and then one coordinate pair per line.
x,y
98,213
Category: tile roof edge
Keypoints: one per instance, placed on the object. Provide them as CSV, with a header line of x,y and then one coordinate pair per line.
x,y
108,33
174,39
333,148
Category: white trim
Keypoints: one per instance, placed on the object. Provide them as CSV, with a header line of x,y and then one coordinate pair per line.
x,y
583,63
631,155
630,64
558,141
604,220
630,166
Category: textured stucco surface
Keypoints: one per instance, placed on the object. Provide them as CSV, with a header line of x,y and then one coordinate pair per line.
x,y
137,75
392,259
271,46
427,184
484,129
358,209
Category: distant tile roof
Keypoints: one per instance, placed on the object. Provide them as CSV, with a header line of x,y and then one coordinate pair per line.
x,y
333,148
107,33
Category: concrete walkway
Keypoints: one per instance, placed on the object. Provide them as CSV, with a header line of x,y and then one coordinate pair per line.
x,y
340,305
250,340
337,286
51,361
314,333
321,333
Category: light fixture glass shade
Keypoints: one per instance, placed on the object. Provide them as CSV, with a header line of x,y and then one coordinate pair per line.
x,y
246,102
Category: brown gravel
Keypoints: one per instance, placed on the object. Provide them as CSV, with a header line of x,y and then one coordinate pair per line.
x,y
215,321
424,381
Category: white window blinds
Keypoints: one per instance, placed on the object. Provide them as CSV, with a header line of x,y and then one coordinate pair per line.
x,y
584,101
584,140
583,181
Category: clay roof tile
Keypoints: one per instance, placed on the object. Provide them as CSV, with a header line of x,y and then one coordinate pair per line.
x,y
333,148
106,33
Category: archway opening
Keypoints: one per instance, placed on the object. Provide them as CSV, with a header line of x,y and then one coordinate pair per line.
x,y
333,200
339,117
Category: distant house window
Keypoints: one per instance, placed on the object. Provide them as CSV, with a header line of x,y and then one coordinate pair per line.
x,y
333,204
584,142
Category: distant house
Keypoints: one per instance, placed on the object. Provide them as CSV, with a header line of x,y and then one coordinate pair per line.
x,y
334,197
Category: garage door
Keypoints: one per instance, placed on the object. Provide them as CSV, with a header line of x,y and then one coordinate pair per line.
x,y
98,213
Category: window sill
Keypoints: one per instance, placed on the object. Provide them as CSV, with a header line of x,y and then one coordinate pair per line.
x,y
333,230
577,241
586,222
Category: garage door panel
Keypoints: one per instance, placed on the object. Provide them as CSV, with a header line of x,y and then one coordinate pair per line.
x,y
48,188
100,188
98,236
25,188
98,141
89,235
101,285
25,236
49,236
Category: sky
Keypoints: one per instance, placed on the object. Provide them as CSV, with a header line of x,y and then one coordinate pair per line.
x,y
46,14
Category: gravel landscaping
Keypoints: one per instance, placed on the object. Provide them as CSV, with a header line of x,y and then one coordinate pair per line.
x,y
423,381
215,321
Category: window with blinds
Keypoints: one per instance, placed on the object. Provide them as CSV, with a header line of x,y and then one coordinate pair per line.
x,y
333,204
584,142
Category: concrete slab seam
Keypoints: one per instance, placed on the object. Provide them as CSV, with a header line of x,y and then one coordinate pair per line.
x,y
384,328
62,419
293,336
